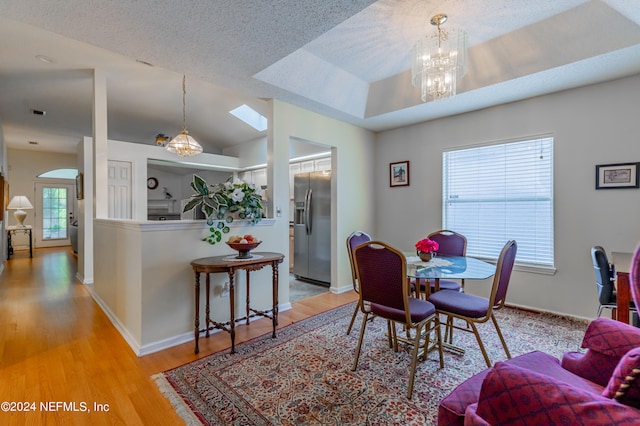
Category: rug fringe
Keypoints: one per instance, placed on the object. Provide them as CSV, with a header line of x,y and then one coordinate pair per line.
x,y
182,409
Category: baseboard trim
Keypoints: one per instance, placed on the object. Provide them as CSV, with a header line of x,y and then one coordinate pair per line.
x,y
80,278
126,335
543,312
149,348
342,289
170,342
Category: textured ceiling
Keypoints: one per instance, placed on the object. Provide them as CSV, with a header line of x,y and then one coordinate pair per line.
x,y
348,60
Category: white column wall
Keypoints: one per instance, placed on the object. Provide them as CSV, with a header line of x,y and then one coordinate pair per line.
x,y
352,177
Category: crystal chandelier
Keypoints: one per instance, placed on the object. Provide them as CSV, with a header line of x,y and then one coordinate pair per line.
x,y
183,144
438,60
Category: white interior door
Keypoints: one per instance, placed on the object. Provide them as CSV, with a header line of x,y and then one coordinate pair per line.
x,y
54,208
119,187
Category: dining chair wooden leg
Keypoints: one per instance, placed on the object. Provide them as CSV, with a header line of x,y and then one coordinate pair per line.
x,y
504,343
434,326
353,318
364,325
436,323
448,331
394,336
482,348
414,360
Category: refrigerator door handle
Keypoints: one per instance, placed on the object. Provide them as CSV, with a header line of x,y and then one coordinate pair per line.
x,y
304,212
307,211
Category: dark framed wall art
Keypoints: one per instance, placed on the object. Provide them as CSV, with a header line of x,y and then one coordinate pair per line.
x,y
399,174
616,176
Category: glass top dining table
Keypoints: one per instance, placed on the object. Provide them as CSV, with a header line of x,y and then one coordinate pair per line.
x,y
450,268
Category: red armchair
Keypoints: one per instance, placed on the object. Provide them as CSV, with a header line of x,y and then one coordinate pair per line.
x,y
536,388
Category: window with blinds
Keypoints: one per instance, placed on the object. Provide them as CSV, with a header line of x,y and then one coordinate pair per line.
x,y
496,193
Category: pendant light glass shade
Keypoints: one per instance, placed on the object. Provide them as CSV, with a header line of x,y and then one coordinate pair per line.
x,y
439,60
183,144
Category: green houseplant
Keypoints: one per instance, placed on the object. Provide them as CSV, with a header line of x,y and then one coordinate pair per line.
x,y
221,202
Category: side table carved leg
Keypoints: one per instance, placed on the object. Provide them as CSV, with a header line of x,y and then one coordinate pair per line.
x,y
207,312
9,246
274,290
232,310
197,320
248,297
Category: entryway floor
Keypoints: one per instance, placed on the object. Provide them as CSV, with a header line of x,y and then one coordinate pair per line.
x,y
299,289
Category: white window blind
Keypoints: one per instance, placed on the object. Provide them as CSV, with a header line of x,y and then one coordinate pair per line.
x,y
496,193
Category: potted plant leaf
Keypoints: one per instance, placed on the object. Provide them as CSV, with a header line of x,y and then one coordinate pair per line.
x,y
222,202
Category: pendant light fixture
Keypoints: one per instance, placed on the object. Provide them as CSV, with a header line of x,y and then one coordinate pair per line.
x,y
183,144
439,60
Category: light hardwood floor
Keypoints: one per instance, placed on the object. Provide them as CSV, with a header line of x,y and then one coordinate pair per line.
x,y
57,346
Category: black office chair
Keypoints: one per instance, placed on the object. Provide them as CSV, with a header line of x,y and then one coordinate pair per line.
x,y
605,278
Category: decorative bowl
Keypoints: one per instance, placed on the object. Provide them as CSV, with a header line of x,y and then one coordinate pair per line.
x,y
244,249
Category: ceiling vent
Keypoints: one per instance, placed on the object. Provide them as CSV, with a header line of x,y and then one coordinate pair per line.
x,y
38,112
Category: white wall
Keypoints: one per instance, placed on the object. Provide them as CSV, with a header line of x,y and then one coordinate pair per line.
x,y
24,166
144,280
352,177
250,153
3,216
85,212
145,284
592,125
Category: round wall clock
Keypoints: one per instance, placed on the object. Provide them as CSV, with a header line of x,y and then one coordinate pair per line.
x,y
152,183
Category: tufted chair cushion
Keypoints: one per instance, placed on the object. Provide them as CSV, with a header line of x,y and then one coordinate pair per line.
x,y
607,342
512,395
624,385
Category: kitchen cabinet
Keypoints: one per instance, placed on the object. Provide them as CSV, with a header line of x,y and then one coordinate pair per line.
x,y
322,164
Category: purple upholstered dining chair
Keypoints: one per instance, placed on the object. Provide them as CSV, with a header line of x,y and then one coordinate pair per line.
x,y
450,244
474,309
634,277
381,271
354,240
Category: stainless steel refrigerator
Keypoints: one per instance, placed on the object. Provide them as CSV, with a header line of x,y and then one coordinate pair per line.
x,y
312,226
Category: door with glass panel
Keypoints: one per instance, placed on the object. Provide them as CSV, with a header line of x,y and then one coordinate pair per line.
x,y
54,211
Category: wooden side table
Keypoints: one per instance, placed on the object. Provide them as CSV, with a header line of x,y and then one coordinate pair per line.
x,y
622,262
27,229
230,265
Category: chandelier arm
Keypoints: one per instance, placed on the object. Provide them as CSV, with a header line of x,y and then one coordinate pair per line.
x,y
184,102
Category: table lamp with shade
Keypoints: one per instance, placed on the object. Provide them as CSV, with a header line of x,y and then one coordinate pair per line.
x,y
20,203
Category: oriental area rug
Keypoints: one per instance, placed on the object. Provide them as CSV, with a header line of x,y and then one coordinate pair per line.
x,y
304,377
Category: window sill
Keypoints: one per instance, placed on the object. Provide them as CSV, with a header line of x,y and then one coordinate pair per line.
x,y
529,268
533,269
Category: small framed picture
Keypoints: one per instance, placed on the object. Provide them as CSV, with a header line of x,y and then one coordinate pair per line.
x,y
399,174
79,186
622,175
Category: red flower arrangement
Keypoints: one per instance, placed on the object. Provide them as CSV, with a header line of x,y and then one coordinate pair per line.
x,y
427,246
